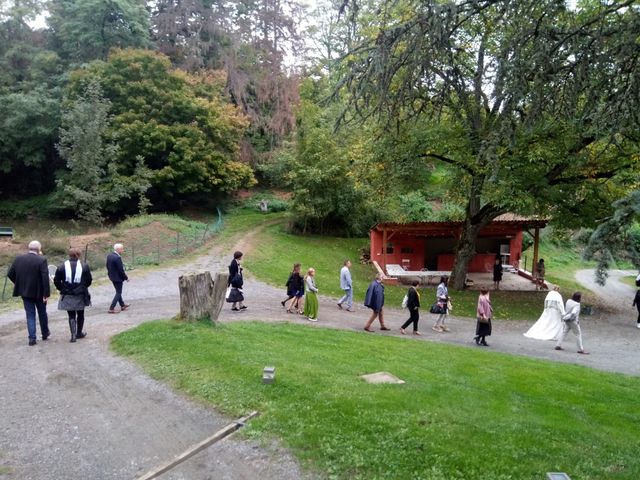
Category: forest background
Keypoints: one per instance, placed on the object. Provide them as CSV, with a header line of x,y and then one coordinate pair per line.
x,y
364,111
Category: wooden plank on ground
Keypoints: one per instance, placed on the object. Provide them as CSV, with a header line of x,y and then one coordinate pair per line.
x,y
207,442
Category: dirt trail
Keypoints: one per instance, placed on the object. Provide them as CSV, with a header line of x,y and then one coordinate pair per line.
x,y
78,411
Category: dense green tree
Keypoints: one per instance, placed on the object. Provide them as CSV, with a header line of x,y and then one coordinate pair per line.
x,y
250,41
28,122
180,124
92,185
543,100
336,180
29,102
85,30
615,235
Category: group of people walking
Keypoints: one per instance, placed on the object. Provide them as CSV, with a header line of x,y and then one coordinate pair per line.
x,y
30,276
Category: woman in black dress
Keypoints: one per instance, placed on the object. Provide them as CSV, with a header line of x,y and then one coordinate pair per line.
x,y
413,305
72,279
497,273
295,290
236,282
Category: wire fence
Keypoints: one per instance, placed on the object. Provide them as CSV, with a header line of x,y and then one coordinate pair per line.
x,y
151,246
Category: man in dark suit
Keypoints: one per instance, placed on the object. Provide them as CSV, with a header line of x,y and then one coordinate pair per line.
x,y
115,269
30,276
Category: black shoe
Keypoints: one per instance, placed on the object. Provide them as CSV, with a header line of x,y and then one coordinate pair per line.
x,y
282,303
244,307
477,339
46,337
235,309
484,344
81,335
32,343
73,340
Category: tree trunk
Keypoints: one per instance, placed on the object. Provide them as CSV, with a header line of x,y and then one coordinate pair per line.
x,y
200,296
465,251
219,289
476,218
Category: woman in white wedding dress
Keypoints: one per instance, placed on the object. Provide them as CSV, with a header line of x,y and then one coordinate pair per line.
x,y
549,325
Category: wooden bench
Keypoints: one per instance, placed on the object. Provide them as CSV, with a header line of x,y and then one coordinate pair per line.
x,y
6,232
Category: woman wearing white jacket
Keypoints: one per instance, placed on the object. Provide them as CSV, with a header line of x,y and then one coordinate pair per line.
x,y
571,321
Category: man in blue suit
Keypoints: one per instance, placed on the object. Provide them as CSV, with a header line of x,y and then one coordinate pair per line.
x,y
30,277
117,275
374,299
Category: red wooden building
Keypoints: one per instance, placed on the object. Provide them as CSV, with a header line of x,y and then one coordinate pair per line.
x,y
431,245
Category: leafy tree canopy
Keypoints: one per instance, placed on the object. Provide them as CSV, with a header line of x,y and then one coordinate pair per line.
x,y
616,234
544,101
84,30
179,124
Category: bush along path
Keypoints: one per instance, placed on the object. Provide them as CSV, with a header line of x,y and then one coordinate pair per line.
x,y
85,413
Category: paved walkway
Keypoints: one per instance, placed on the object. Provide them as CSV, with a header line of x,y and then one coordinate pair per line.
x,y
78,411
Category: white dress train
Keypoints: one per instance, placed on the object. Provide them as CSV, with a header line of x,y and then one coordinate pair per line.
x,y
549,325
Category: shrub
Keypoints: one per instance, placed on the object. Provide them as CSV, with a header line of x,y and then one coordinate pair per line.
x,y
40,206
414,207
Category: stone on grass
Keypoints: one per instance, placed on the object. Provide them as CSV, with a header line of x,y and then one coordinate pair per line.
x,y
381,377
269,375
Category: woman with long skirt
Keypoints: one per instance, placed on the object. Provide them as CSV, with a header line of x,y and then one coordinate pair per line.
x,y
549,325
311,296
484,315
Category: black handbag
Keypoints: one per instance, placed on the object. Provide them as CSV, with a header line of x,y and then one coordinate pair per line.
x,y
437,309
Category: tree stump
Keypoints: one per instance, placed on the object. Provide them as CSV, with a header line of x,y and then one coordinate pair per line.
x,y
200,296
219,290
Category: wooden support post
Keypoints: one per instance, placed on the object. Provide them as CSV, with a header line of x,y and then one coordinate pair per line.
x,y
384,249
536,240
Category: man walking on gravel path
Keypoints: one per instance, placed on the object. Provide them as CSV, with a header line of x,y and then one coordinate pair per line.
x,y
117,275
374,299
30,276
347,285
571,321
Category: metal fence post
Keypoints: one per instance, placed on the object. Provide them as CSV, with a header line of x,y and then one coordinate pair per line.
x,y
158,251
6,277
204,234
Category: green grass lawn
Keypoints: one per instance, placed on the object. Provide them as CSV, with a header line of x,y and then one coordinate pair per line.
x,y
631,280
279,250
463,414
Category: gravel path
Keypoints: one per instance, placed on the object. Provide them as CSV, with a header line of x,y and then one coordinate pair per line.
x,y
78,411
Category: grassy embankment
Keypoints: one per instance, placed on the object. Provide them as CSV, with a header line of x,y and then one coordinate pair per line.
x,y
463,413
